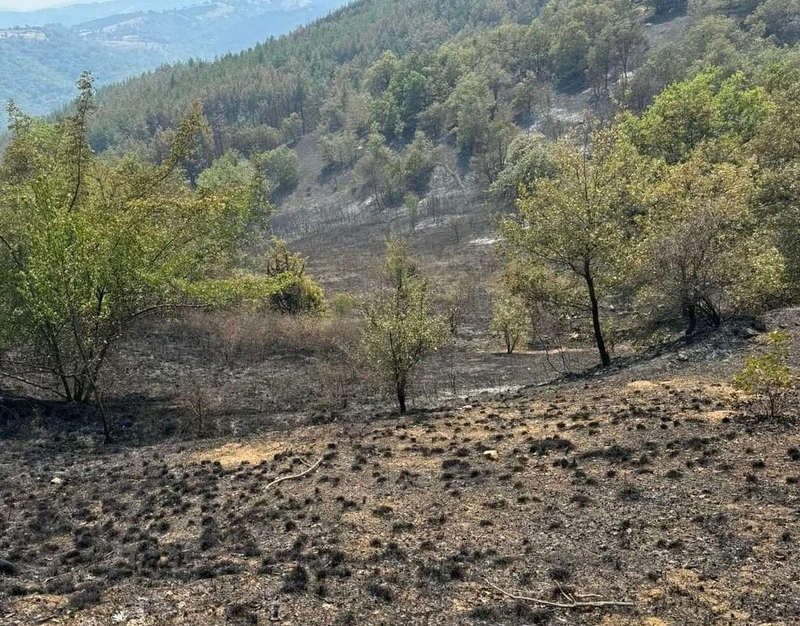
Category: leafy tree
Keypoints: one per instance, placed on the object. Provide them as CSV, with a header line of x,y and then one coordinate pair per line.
x,y
231,169
546,294
706,108
418,163
412,206
338,150
510,320
570,51
779,19
279,167
494,150
768,377
453,300
528,160
471,105
701,249
777,149
251,140
89,246
400,328
397,106
292,128
381,171
575,222
526,95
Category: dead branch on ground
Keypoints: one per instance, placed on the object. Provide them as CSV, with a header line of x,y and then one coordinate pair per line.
x,y
571,602
294,476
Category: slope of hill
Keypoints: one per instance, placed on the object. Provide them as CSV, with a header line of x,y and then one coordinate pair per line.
x,y
649,487
507,57
289,75
43,52
257,474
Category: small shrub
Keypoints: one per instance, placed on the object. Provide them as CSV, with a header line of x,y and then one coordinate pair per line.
x,y
342,305
510,320
767,378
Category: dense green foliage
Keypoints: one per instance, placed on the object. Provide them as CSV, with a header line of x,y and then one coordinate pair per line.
x,y
89,245
314,72
376,73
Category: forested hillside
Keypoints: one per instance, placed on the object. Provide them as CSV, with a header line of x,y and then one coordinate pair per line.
x,y
469,71
43,52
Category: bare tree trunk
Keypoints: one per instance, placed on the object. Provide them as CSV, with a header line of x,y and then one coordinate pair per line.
x,y
401,397
691,316
605,359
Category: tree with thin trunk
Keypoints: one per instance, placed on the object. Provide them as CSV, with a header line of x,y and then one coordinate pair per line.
x,y
88,246
701,250
510,320
401,329
575,223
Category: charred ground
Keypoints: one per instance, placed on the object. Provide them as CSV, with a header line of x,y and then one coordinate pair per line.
x,y
651,484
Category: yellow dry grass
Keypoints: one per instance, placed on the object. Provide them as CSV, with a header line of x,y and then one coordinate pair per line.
x,y
304,441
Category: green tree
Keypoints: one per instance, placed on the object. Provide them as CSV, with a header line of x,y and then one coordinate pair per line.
x,y
381,171
528,160
88,246
706,108
338,150
400,328
279,167
494,150
418,163
471,105
576,221
292,128
701,249
231,169
777,150
509,320
412,206
779,19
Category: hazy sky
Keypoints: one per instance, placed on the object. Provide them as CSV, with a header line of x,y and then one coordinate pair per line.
x,y
30,5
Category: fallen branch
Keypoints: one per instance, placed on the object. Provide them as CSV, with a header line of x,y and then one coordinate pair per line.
x,y
572,604
294,476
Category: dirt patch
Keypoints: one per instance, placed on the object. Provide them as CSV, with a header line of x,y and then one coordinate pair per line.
x,y
235,454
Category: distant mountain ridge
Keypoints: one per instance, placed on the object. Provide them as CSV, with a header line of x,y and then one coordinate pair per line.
x,y
73,14
43,52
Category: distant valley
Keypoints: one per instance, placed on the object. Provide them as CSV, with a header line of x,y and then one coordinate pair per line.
x,y
43,52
